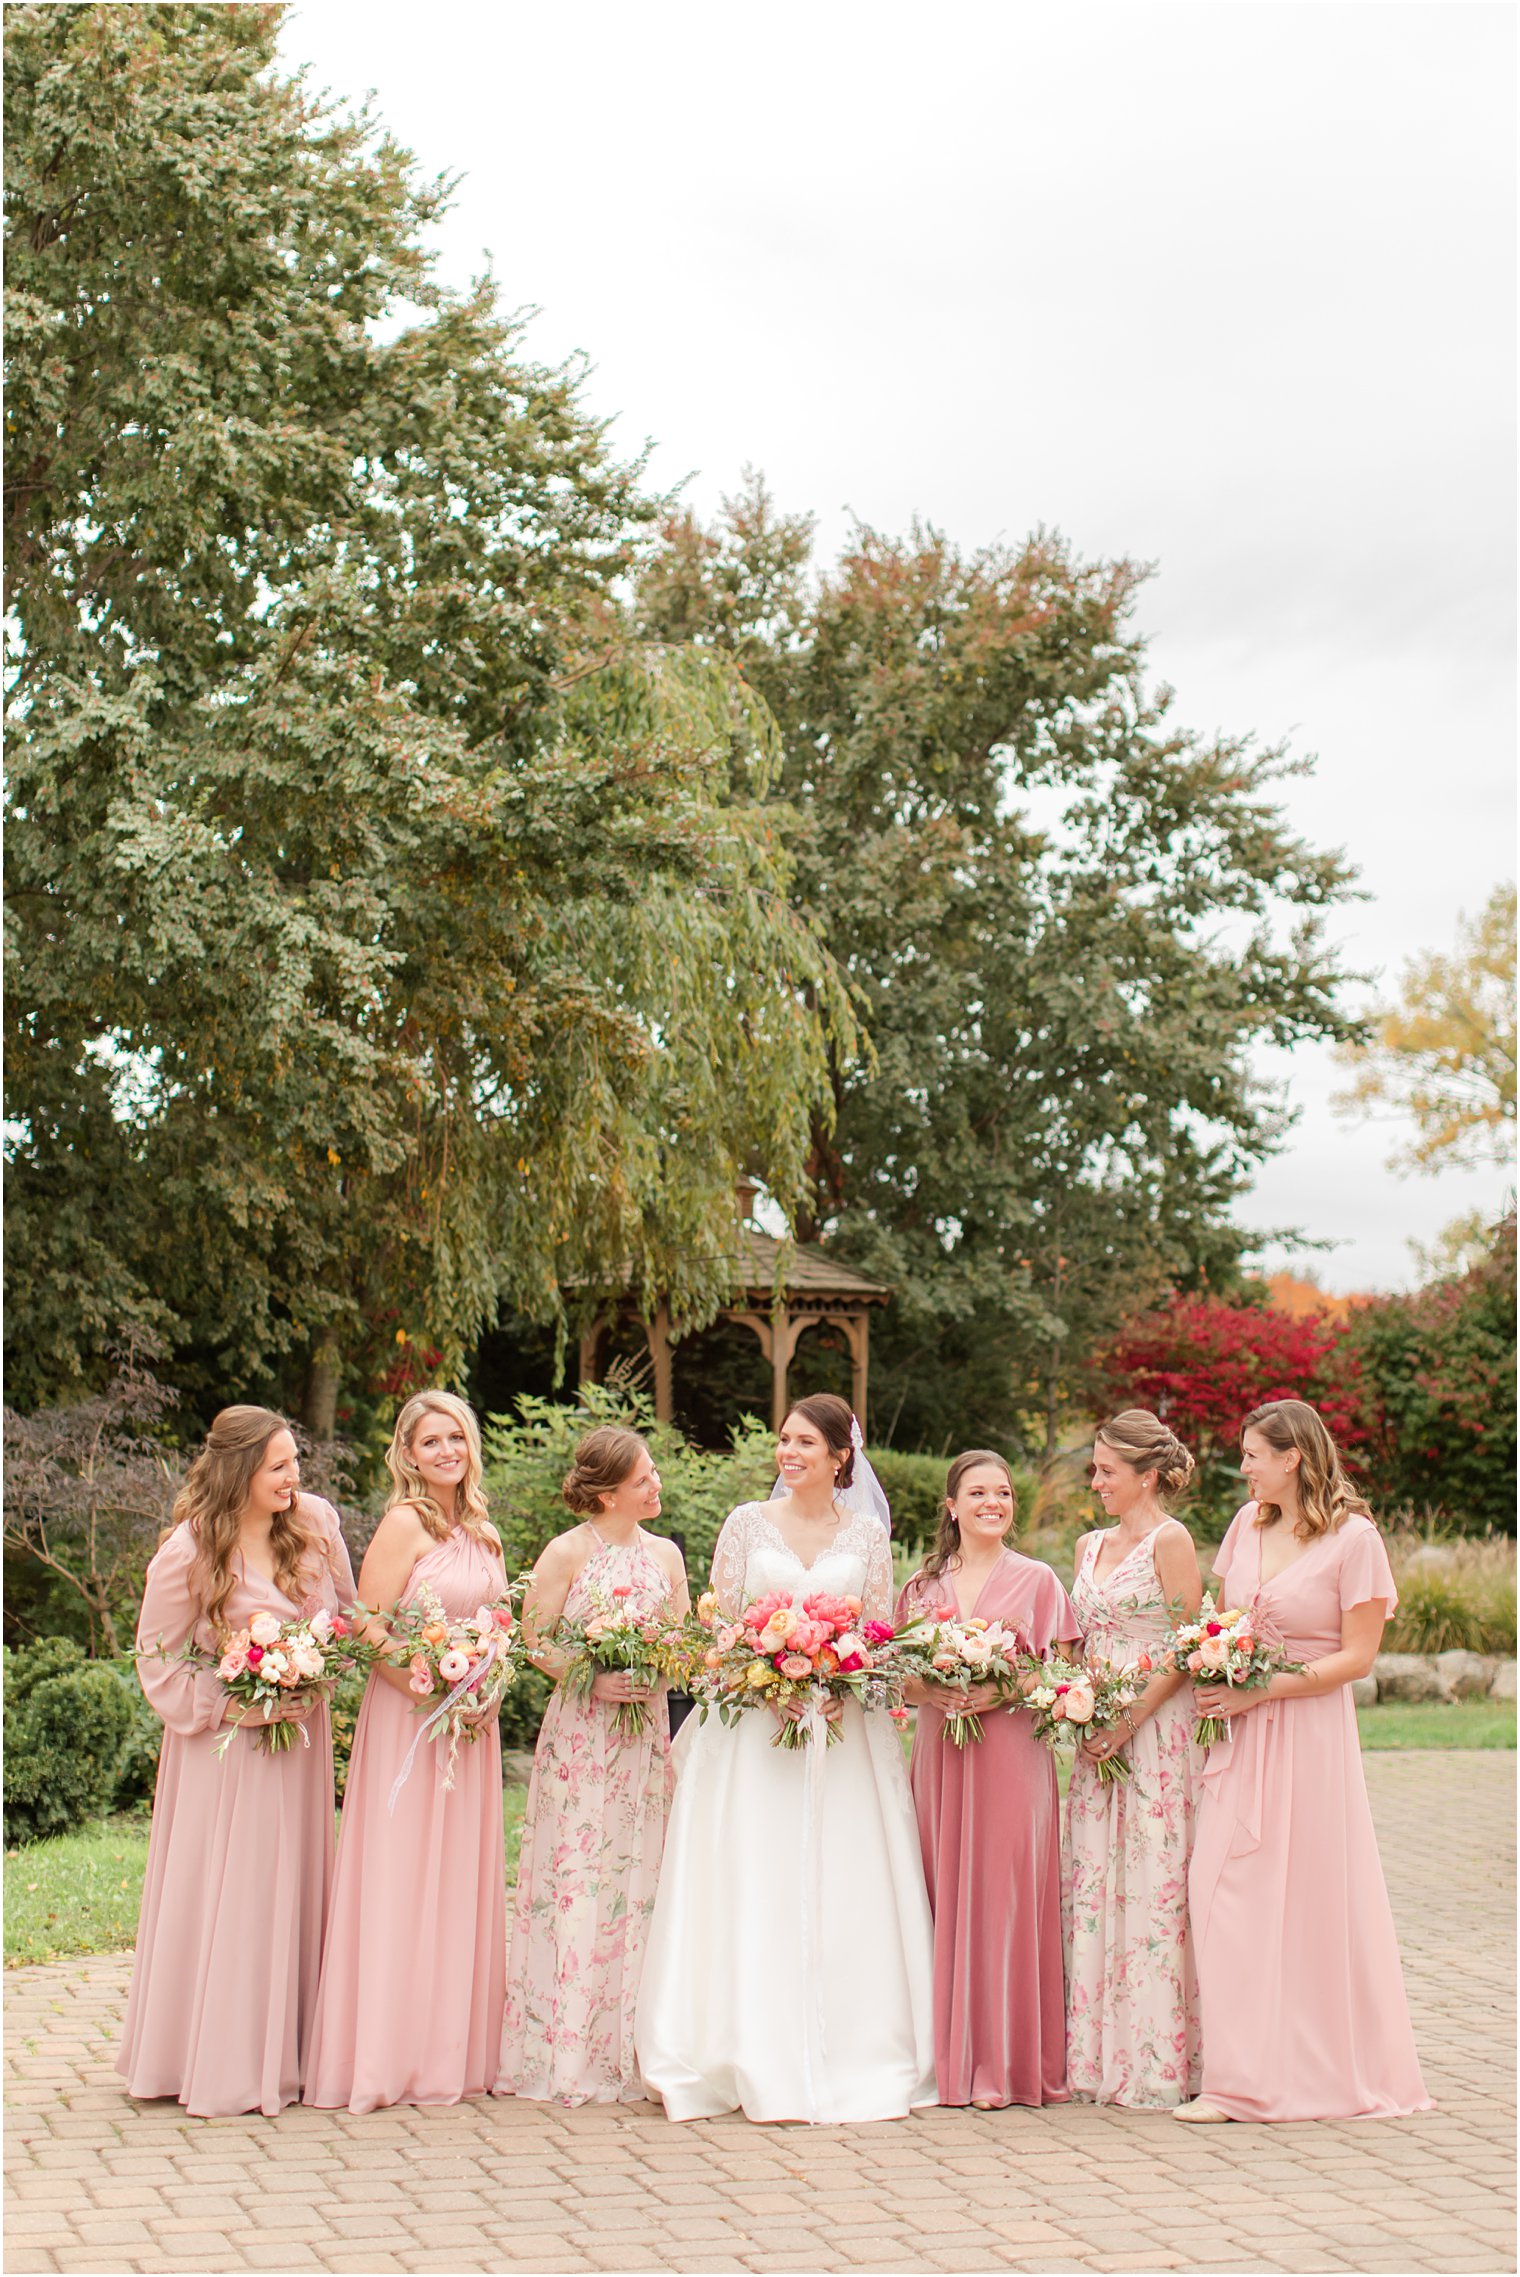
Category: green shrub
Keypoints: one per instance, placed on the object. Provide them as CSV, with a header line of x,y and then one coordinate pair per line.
x,y
66,1723
137,1765
1454,1595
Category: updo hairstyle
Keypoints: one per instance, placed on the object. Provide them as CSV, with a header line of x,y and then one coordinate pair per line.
x,y
1144,1442
604,1458
834,1419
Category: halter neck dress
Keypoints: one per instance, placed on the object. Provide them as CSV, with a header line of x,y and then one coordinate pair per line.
x,y
409,2009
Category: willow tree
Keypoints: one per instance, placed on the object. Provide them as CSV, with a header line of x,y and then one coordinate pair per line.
x,y
393,936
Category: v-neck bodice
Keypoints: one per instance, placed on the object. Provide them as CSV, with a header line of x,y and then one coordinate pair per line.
x,y
1126,1612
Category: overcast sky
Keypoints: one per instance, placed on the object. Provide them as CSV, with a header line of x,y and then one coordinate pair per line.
x,y
1226,288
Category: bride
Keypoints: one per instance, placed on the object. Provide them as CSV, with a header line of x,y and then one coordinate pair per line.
x,y
789,1971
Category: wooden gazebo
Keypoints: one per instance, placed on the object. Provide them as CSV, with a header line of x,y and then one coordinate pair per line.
x,y
814,1290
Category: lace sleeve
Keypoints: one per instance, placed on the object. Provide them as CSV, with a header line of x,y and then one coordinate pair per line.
x,y
878,1596
731,1557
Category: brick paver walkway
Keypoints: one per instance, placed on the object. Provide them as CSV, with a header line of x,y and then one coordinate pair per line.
x,y
97,2183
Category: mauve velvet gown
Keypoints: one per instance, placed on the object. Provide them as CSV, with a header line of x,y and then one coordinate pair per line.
x,y
229,1941
989,1827
1304,2014
414,1970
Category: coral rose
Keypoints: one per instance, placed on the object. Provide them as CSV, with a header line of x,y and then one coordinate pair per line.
x,y
796,1665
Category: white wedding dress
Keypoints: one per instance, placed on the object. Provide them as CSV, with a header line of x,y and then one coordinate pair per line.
x,y
789,1971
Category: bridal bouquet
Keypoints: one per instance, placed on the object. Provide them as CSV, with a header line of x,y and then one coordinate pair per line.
x,y
1074,1697
961,1655
613,1637
456,1667
777,1652
1223,1648
272,1663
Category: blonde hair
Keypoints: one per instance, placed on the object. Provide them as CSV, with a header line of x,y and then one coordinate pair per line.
x,y
604,1458
212,1501
470,1507
1326,1497
1144,1442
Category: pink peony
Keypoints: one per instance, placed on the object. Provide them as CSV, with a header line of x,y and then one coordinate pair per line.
x,y
878,1632
852,1654
810,1636
838,1612
453,1666
264,1628
756,1614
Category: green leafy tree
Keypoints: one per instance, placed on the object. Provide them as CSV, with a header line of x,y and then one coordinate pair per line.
x,y
1068,922
394,938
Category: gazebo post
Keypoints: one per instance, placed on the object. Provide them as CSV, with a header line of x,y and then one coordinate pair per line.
x,y
782,1341
590,1345
857,1328
657,1336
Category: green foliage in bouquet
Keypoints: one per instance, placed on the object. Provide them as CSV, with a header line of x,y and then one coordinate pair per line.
x,y
67,1720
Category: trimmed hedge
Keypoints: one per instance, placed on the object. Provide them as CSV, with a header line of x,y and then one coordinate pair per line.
x,y
67,1721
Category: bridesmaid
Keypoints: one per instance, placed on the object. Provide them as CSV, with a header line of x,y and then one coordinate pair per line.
x,y
240,1853
988,1820
597,1802
1132,1991
409,2009
1304,2015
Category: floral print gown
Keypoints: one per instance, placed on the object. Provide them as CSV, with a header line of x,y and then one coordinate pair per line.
x,y
1132,1990
592,1838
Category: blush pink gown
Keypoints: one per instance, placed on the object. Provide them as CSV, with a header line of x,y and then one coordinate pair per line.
x,y
989,1831
586,1879
1304,2015
229,1942
413,1975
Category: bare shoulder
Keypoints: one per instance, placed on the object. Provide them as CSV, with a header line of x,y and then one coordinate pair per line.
x,y
563,1556
401,1527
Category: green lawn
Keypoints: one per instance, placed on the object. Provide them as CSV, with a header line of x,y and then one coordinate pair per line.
x,y
80,1893
1453,1723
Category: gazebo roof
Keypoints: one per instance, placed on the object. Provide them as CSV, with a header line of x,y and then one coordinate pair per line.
x,y
809,1272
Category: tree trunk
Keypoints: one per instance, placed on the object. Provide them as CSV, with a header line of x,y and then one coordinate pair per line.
x,y
322,1390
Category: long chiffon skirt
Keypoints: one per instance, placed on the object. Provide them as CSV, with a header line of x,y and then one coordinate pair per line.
x,y
229,1942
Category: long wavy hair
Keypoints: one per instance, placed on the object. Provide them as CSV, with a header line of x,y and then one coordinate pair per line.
x,y
1326,1497
214,1497
408,1484
947,1542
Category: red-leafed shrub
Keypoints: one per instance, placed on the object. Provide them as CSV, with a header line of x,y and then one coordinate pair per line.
x,y
1203,1364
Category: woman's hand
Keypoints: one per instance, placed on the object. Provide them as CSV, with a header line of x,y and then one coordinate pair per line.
x,y
293,1710
793,1711
976,1700
1226,1699
615,1687
1100,1745
486,1713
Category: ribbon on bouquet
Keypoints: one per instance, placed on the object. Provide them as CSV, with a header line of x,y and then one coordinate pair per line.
x,y
815,1724
465,1684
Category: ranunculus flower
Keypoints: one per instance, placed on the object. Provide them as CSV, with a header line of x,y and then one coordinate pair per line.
x,y
778,1629
255,1655
453,1665
264,1628
1079,1704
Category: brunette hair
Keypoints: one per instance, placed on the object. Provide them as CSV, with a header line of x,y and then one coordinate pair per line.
x,y
947,1542
835,1419
1326,1497
604,1458
212,1500
1144,1442
470,1507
